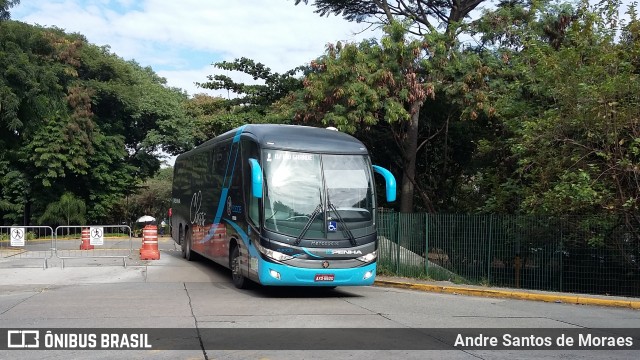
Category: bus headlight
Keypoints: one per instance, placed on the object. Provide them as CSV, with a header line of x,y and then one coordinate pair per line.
x,y
369,257
274,274
275,255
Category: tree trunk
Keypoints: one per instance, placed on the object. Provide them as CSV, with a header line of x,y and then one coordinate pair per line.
x,y
26,221
409,171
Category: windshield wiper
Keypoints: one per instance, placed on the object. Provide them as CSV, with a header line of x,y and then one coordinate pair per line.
x,y
352,239
306,227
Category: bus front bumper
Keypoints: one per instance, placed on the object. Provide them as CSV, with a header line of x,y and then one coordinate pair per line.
x,y
278,274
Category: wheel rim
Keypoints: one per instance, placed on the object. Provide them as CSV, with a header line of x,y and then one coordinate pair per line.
x,y
235,266
186,246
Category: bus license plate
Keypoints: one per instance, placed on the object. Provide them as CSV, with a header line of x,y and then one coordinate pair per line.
x,y
324,277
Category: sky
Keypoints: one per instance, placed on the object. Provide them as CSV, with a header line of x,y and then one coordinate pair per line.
x,y
181,40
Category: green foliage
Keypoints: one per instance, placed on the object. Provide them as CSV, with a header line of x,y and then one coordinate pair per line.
x,y
76,118
67,210
362,84
153,197
406,99
257,97
212,117
540,117
259,102
5,5
566,96
425,16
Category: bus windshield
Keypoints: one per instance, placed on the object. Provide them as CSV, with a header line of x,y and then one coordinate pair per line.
x,y
318,196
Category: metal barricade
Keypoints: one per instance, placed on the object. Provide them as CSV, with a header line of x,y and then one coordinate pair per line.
x,y
26,242
93,241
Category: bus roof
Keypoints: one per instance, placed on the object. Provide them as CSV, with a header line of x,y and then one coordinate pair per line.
x,y
296,138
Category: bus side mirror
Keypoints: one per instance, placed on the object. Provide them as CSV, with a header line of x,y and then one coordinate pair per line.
x,y
390,182
256,178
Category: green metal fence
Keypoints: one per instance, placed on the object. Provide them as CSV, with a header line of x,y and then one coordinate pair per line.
x,y
569,254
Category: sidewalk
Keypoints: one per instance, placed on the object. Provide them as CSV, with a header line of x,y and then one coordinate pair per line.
x,y
506,293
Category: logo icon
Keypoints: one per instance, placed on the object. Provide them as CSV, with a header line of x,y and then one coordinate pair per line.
x,y
332,226
325,264
96,233
20,339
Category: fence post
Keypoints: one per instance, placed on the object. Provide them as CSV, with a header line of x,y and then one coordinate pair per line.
x,y
562,252
426,243
490,237
398,243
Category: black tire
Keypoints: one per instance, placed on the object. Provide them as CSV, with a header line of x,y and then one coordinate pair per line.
x,y
238,279
186,246
181,241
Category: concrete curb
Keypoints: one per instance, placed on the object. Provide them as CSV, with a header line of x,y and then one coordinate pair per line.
x,y
508,294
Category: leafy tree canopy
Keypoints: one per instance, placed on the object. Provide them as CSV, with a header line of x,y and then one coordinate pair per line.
x,y
5,5
426,16
253,97
75,118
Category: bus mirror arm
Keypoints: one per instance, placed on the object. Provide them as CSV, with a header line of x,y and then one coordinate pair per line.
x,y
256,178
390,182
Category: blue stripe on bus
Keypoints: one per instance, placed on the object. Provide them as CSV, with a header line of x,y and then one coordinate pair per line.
x,y
225,188
309,253
245,238
234,165
236,138
236,143
216,221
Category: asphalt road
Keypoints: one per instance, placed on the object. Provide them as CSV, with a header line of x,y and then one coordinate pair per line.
x,y
195,296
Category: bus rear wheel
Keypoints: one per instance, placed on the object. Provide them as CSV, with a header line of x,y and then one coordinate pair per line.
x,y
239,280
186,246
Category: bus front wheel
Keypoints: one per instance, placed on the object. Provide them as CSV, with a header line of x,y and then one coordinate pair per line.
x,y
239,280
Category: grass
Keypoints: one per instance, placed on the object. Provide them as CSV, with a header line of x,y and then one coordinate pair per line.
x,y
419,272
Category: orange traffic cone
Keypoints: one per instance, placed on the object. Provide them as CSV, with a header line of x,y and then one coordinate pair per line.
x,y
149,250
86,243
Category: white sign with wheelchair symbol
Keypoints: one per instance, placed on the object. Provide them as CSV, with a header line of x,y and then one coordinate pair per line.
x,y
17,236
96,235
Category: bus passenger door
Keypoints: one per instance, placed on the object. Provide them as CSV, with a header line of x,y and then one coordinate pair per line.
x,y
250,153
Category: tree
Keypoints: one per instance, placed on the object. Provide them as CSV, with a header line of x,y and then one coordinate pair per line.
x,y
359,87
153,197
5,5
427,16
361,84
567,106
251,103
75,117
66,211
253,97
421,18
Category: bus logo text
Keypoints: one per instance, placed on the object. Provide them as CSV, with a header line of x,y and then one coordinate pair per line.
x,y
195,215
343,252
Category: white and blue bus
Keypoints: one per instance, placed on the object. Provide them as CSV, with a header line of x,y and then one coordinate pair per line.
x,y
280,205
